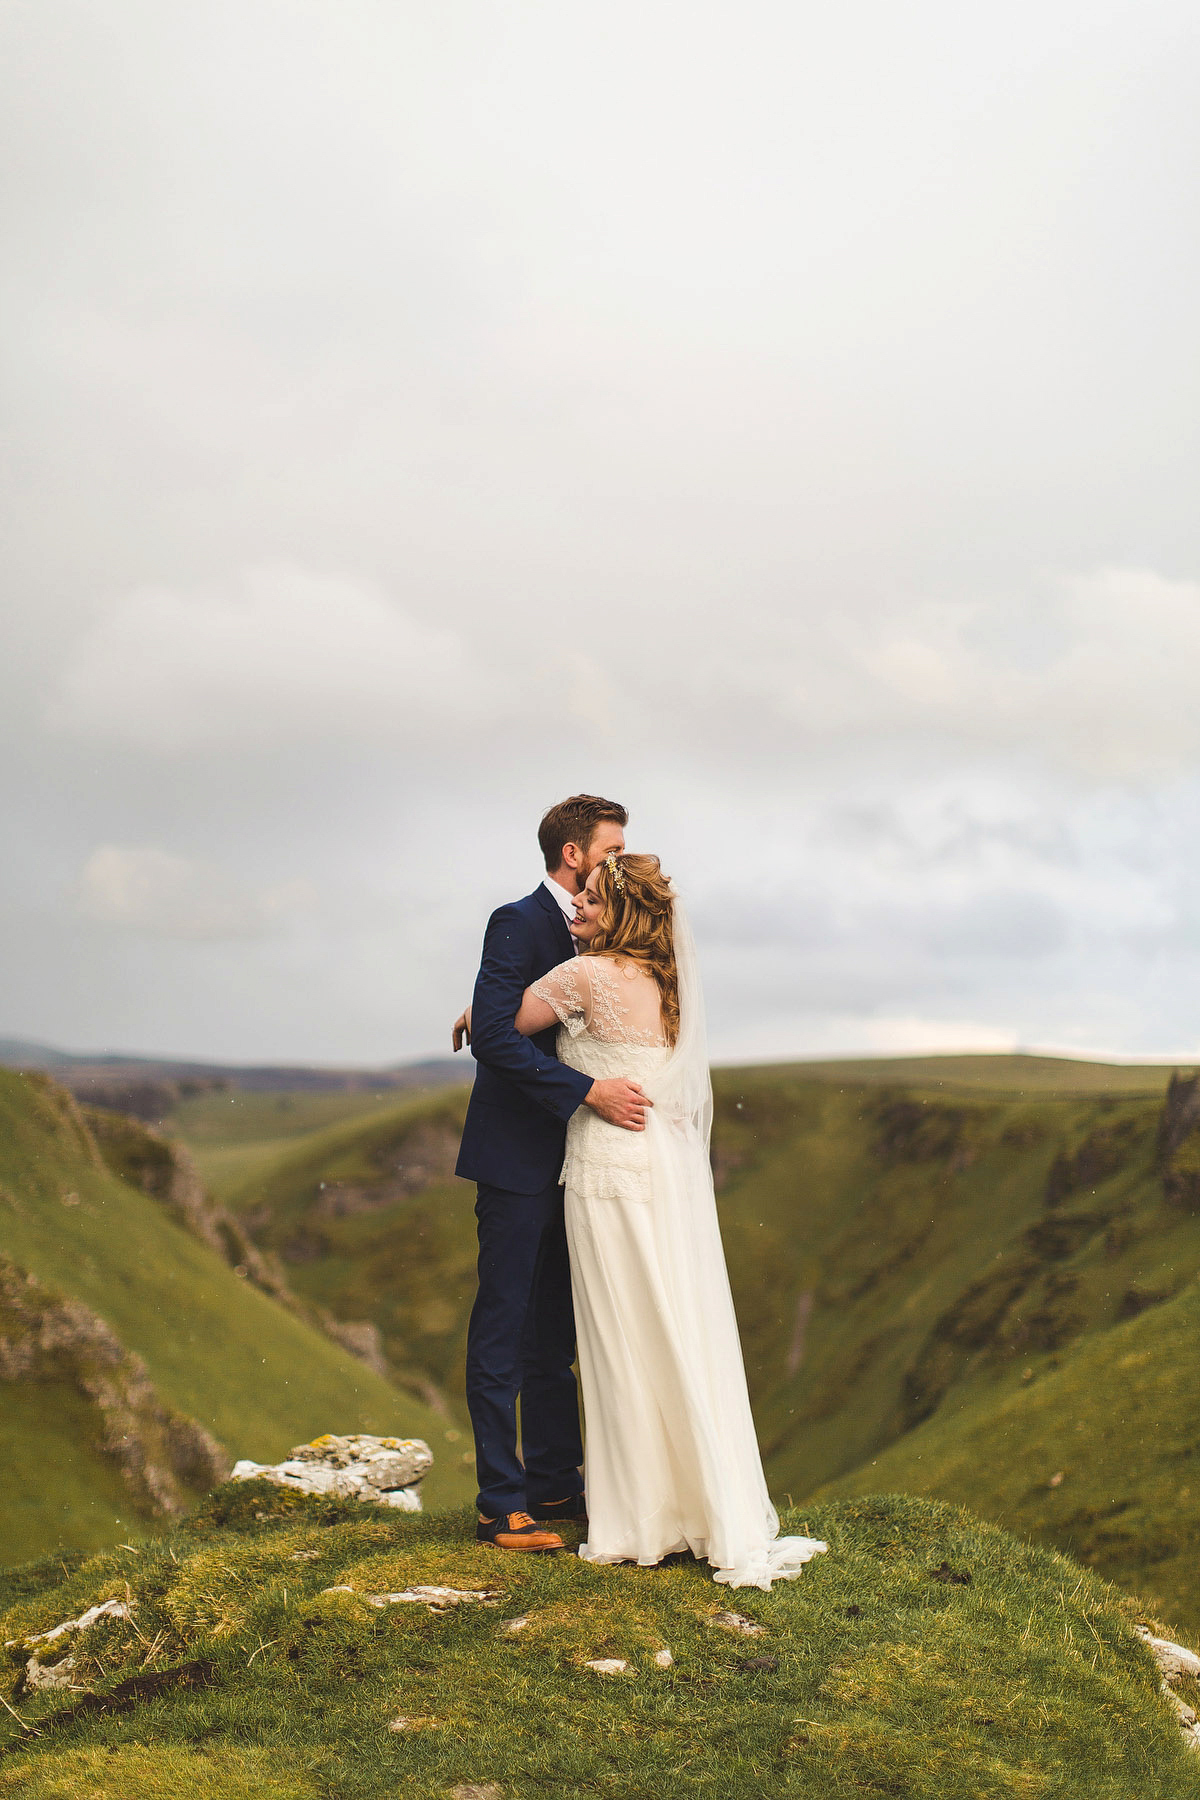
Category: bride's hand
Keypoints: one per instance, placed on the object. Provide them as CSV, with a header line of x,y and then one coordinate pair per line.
x,y
462,1028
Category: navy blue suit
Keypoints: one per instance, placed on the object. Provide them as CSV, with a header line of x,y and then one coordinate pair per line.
x,y
521,1338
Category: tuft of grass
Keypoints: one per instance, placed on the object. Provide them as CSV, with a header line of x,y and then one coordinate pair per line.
x,y
874,1672
164,1772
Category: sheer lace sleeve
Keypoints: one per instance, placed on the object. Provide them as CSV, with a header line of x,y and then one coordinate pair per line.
x,y
568,990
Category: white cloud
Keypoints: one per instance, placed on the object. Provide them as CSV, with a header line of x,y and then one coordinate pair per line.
x,y
274,654
1092,673
1107,689
151,891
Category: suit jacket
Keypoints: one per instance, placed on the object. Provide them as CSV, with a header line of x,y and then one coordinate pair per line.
x,y
516,1126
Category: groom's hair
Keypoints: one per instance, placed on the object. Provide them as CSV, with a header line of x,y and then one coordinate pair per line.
x,y
574,821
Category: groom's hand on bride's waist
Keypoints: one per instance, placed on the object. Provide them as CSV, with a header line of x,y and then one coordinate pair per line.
x,y
619,1101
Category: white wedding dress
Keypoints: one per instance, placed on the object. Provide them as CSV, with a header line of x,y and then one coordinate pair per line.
x,y
671,1459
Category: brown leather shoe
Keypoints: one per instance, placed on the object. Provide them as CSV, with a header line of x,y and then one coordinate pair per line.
x,y
516,1531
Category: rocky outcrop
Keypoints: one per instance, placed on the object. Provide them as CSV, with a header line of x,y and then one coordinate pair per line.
x,y
163,1169
385,1470
361,1338
166,1457
1104,1151
437,1600
1176,1666
1178,1143
423,1154
918,1131
47,1666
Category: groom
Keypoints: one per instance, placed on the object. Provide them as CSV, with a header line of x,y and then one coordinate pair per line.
x,y
521,1338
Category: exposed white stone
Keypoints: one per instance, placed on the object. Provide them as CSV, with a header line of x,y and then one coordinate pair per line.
x,y
386,1470
511,1627
1188,1722
1173,1659
608,1665
663,1658
437,1599
732,1621
1176,1662
58,1675
107,1609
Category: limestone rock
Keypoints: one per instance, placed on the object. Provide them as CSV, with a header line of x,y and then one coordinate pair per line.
x,y
608,1665
1172,1659
386,1470
1175,1663
437,1599
736,1622
106,1609
54,1675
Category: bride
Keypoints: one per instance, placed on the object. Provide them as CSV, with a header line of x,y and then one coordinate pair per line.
x,y
672,1461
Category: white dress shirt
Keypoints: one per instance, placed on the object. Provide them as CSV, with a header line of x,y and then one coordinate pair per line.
x,y
566,902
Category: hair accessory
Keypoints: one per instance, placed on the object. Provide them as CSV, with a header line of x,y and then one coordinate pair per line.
x,y
615,870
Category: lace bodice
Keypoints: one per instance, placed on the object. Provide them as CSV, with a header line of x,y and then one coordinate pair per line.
x,y
610,1024
616,1002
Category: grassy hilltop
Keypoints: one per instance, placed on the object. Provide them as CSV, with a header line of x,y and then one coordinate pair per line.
x,y
926,1655
110,1308
944,1261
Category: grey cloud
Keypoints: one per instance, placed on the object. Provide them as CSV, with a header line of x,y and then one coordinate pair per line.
x,y
783,421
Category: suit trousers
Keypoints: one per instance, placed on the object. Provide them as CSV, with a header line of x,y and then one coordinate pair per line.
x,y
521,1342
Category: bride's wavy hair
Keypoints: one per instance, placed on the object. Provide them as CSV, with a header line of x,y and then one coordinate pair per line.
x,y
638,923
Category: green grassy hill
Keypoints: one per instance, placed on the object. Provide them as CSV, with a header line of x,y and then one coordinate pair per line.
x,y
231,1133
117,1292
1100,1455
912,1243
369,1222
926,1655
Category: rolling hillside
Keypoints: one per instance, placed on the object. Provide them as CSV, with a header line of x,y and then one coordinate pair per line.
x,y
1100,1455
112,1310
911,1244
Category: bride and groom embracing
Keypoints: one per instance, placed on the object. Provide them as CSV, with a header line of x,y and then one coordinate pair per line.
x,y
588,1136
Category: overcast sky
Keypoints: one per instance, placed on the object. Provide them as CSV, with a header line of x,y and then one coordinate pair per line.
x,y
782,418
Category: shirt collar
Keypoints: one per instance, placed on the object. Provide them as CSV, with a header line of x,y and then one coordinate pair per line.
x,y
566,901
